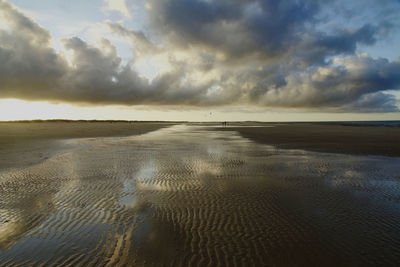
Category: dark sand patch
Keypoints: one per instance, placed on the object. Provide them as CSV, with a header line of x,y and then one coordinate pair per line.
x,y
360,140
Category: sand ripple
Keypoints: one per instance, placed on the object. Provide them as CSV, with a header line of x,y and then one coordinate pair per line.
x,y
190,196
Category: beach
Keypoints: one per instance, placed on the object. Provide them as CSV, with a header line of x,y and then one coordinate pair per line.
x,y
200,195
360,139
26,143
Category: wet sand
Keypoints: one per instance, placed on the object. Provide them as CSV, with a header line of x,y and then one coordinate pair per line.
x,y
194,196
333,138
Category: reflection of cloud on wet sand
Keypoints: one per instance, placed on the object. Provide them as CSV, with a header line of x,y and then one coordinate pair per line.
x,y
189,194
19,215
8,231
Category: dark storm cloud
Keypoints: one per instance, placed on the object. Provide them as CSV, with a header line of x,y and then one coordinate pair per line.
x,y
254,52
237,28
97,76
355,84
374,102
275,49
315,48
267,28
26,60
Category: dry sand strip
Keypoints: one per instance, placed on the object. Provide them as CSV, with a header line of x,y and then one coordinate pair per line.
x,y
359,140
19,131
26,143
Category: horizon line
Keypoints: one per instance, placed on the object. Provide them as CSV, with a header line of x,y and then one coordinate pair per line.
x,y
184,121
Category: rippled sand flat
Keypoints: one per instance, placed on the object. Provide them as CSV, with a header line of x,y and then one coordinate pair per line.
x,y
194,196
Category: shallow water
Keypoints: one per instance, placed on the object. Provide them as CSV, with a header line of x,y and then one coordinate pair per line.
x,y
188,195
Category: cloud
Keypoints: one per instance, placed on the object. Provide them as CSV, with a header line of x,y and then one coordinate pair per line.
x,y
263,53
141,43
29,66
375,102
119,6
270,52
354,83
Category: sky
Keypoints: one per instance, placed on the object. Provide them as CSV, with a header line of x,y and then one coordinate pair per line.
x,y
200,60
